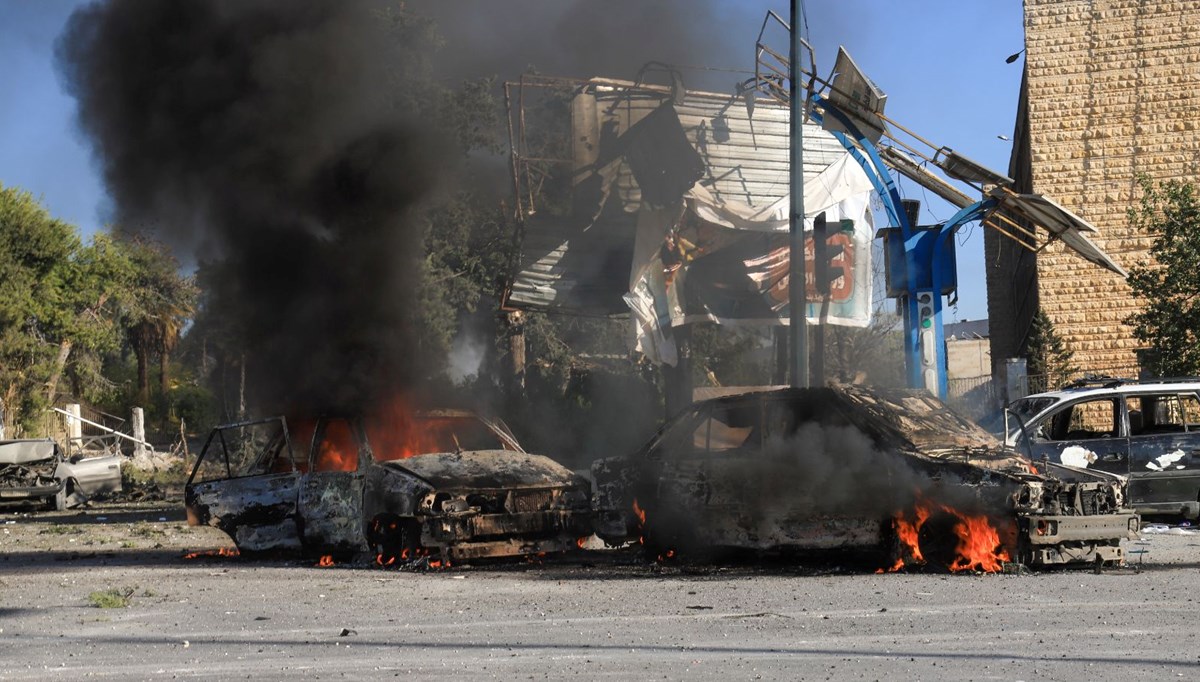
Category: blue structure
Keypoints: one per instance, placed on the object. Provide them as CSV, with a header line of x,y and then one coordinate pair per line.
x,y
921,263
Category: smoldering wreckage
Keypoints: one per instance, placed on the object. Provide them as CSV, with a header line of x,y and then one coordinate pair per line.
x,y
677,215
895,475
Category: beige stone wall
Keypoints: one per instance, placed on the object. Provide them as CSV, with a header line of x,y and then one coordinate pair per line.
x,y
1113,91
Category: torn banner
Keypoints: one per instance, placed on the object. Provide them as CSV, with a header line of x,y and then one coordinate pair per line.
x,y
724,261
678,213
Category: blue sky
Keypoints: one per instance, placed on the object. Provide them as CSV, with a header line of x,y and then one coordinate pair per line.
x,y
941,63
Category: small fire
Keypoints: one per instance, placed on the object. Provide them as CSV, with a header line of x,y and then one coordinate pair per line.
x,y
979,545
909,533
639,513
326,561
581,542
978,549
220,551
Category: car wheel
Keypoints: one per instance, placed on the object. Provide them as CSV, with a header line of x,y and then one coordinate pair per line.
x,y
394,539
65,497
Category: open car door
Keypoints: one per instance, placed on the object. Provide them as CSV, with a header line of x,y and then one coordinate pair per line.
x,y
246,484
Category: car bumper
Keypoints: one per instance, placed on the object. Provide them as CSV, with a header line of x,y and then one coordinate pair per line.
x,y
1055,540
18,495
471,536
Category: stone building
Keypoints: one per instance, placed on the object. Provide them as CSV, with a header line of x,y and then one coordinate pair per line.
x,y
1110,91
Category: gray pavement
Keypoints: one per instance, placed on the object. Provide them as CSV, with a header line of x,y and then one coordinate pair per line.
x,y
606,615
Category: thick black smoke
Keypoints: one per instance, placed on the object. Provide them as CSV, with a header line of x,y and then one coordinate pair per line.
x,y
260,134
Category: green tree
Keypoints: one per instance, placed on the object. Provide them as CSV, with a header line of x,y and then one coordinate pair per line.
x,y
1046,354
1169,287
57,316
157,303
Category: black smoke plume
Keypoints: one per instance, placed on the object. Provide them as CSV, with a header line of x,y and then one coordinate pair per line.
x,y
259,133
260,136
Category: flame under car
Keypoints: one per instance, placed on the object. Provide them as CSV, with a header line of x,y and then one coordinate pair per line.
x,y
846,468
455,486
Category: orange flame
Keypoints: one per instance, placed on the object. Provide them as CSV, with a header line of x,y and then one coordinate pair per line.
x,y
639,513
220,551
326,561
979,546
581,542
909,533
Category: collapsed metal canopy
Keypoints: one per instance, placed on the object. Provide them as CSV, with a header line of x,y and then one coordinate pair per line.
x,y
1060,222
579,260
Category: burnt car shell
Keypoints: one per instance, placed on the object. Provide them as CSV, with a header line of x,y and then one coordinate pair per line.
x,y
711,478
37,471
460,505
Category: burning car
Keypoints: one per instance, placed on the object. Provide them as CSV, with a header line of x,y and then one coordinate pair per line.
x,y
450,484
38,472
894,473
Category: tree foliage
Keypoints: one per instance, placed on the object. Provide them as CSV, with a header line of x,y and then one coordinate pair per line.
x,y
67,307
1169,287
1046,354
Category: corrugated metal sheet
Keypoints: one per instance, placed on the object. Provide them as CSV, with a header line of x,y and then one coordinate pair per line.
x,y
586,270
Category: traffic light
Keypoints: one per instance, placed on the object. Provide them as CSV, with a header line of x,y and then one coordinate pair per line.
x,y
825,271
928,340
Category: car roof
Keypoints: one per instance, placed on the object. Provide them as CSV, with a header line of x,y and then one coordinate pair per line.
x,y
1119,387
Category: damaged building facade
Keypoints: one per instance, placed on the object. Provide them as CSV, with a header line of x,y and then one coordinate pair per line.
x,y
1107,96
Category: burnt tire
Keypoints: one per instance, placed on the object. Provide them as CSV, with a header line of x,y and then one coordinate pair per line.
x,y
394,539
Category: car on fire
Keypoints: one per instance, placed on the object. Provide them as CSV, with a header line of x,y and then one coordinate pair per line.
x,y
38,472
1146,430
890,473
448,484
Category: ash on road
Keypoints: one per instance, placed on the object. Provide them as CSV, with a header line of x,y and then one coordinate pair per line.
x,y
609,615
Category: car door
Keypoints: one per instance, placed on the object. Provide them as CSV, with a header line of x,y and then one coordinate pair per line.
x,y
1164,450
711,477
1087,433
245,482
331,492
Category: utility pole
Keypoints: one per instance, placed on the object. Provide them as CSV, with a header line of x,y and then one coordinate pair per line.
x,y
797,296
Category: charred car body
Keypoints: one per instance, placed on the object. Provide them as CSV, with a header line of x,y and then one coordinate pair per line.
x,y
849,468
450,483
38,472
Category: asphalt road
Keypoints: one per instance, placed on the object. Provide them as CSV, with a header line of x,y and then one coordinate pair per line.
x,y
591,616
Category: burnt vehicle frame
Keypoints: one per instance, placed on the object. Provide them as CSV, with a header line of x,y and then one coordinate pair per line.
x,y
39,472
339,500
674,496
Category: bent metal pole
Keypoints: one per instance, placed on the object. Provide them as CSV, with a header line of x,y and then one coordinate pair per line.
x,y
797,299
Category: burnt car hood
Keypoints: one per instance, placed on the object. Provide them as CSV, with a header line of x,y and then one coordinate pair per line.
x,y
25,451
486,469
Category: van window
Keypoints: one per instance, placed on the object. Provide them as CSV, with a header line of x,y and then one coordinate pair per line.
x,y
1151,415
1083,421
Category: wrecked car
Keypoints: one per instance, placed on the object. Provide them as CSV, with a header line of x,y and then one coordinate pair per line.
x,y
1148,431
38,472
847,468
447,484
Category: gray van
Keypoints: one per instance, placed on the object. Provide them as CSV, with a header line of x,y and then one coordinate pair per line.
x,y
1146,430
